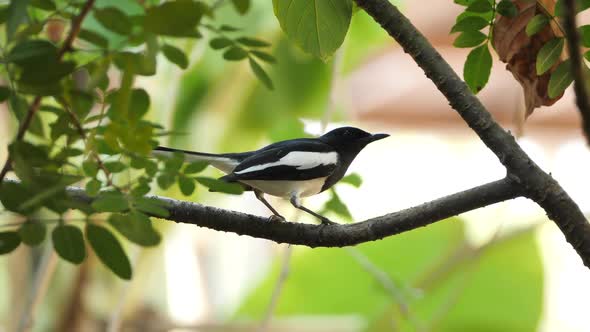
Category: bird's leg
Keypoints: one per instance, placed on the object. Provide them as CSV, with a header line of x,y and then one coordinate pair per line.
x,y
295,201
260,195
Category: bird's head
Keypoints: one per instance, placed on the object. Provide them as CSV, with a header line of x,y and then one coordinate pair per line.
x,y
350,138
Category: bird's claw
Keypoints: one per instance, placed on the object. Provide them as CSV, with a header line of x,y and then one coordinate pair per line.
x,y
325,222
276,218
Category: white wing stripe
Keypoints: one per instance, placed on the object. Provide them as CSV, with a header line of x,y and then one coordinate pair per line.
x,y
297,159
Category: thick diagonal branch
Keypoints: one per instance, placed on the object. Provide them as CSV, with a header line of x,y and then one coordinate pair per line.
x,y
36,104
577,66
334,235
537,184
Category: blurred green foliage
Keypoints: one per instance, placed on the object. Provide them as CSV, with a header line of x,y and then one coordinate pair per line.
x,y
446,285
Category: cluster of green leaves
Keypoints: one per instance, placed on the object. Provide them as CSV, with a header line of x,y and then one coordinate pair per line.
x,y
335,204
241,48
92,128
480,14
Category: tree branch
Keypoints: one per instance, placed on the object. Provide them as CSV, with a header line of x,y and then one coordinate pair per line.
x,y
333,235
537,185
573,42
36,104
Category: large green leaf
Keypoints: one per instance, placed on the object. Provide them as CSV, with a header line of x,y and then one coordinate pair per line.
x,y
317,26
478,293
114,19
109,250
69,243
328,281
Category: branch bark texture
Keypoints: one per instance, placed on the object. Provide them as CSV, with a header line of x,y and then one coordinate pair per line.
x,y
334,235
536,184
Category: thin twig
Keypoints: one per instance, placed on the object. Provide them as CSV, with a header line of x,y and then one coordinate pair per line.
x,y
394,291
276,293
41,279
35,105
577,66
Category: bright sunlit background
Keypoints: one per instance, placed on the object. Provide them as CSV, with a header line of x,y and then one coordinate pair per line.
x,y
501,268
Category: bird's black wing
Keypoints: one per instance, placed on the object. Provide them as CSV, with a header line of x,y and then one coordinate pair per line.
x,y
290,160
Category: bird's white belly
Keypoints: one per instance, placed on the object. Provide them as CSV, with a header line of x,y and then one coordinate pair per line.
x,y
286,188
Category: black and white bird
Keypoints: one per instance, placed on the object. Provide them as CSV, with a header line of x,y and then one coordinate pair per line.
x,y
290,169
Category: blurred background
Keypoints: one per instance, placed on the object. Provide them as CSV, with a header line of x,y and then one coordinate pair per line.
x,y
502,268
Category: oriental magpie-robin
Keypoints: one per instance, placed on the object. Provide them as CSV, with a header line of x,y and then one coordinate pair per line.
x,y
290,169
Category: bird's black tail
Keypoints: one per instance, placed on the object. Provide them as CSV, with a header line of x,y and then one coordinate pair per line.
x,y
224,162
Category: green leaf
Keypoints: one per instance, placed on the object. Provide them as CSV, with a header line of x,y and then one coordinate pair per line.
x,y
560,79
479,6
12,195
32,233
261,74
166,180
336,205
469,39
195,167
263,56
536,24
220,42
114,166
477,68
93,187
175,18
241,6
221,186
470,23
252,42
235,53
93,38
8,242
17,14
43,4
353,179
69,243
32,51
175,55
585,35
4,93
152,206
136,227
507,8
90,167
587,55
549,54
109,250
186,185
317,26
114,20
112,201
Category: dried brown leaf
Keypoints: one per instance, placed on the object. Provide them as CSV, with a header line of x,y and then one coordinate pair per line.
x,y
519,51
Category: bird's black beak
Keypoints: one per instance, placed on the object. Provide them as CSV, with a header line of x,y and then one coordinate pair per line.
x,y
376,137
